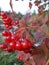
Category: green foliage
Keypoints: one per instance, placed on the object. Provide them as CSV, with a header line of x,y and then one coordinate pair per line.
x,y
1,38
9,58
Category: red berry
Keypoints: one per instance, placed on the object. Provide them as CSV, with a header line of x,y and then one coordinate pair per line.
x,y
3,14
20,58
29,43
25,45
9,34
8,26
2,46
8,39
9,20
12,39
12,45
18,46
17,22
5,33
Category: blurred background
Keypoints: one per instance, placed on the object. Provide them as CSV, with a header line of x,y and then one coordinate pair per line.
x,y
19,6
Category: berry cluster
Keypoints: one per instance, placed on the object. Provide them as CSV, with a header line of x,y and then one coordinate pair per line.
x,y
7,21
11,41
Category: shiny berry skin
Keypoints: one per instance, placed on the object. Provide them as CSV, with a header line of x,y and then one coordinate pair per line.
x,y
9,34
8,20
18,46
12,38
8,26
8,39
16,22
3,14
12,45
20,58
2,46
25,45
5,33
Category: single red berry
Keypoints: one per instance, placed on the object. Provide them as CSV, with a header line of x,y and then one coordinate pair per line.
x,y
20,58
2,46
18,46
9,34
25,45
12,45
17,22
8,19
3,14
8,39
12,38
5,33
